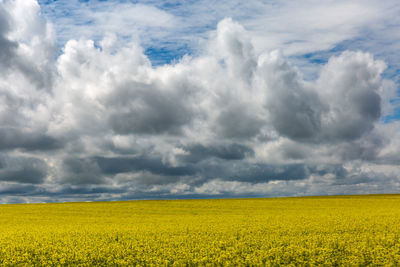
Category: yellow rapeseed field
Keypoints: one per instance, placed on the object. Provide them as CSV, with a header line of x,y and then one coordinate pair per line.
x,y
309,231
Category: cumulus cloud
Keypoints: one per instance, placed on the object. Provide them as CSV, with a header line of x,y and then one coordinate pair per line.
x,y
294,109
351,84
99,121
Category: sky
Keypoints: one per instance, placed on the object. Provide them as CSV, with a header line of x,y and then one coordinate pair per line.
x,y
117,100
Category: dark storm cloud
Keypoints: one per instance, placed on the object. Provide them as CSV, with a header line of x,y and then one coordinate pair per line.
x,y
355,179
131,164
147,180
86,190
17,189
153,171
81,171
336,169
12,138
22,170
199,152
256,173
86,171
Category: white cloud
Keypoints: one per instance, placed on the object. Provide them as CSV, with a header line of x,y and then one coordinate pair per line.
x,y
308,26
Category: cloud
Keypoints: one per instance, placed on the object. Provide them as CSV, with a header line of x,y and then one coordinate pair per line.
x,y
199,152
176,28
28,42
155,166
81,171
99,121
22,170
144,109
26,78
12,138
7,47
343,103
235,49
351,83
236,121
294,109
130,21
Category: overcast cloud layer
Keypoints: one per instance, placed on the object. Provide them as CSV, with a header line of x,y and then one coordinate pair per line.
x,y
85,114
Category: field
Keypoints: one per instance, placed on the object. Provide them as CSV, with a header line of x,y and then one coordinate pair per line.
x,y
342,230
